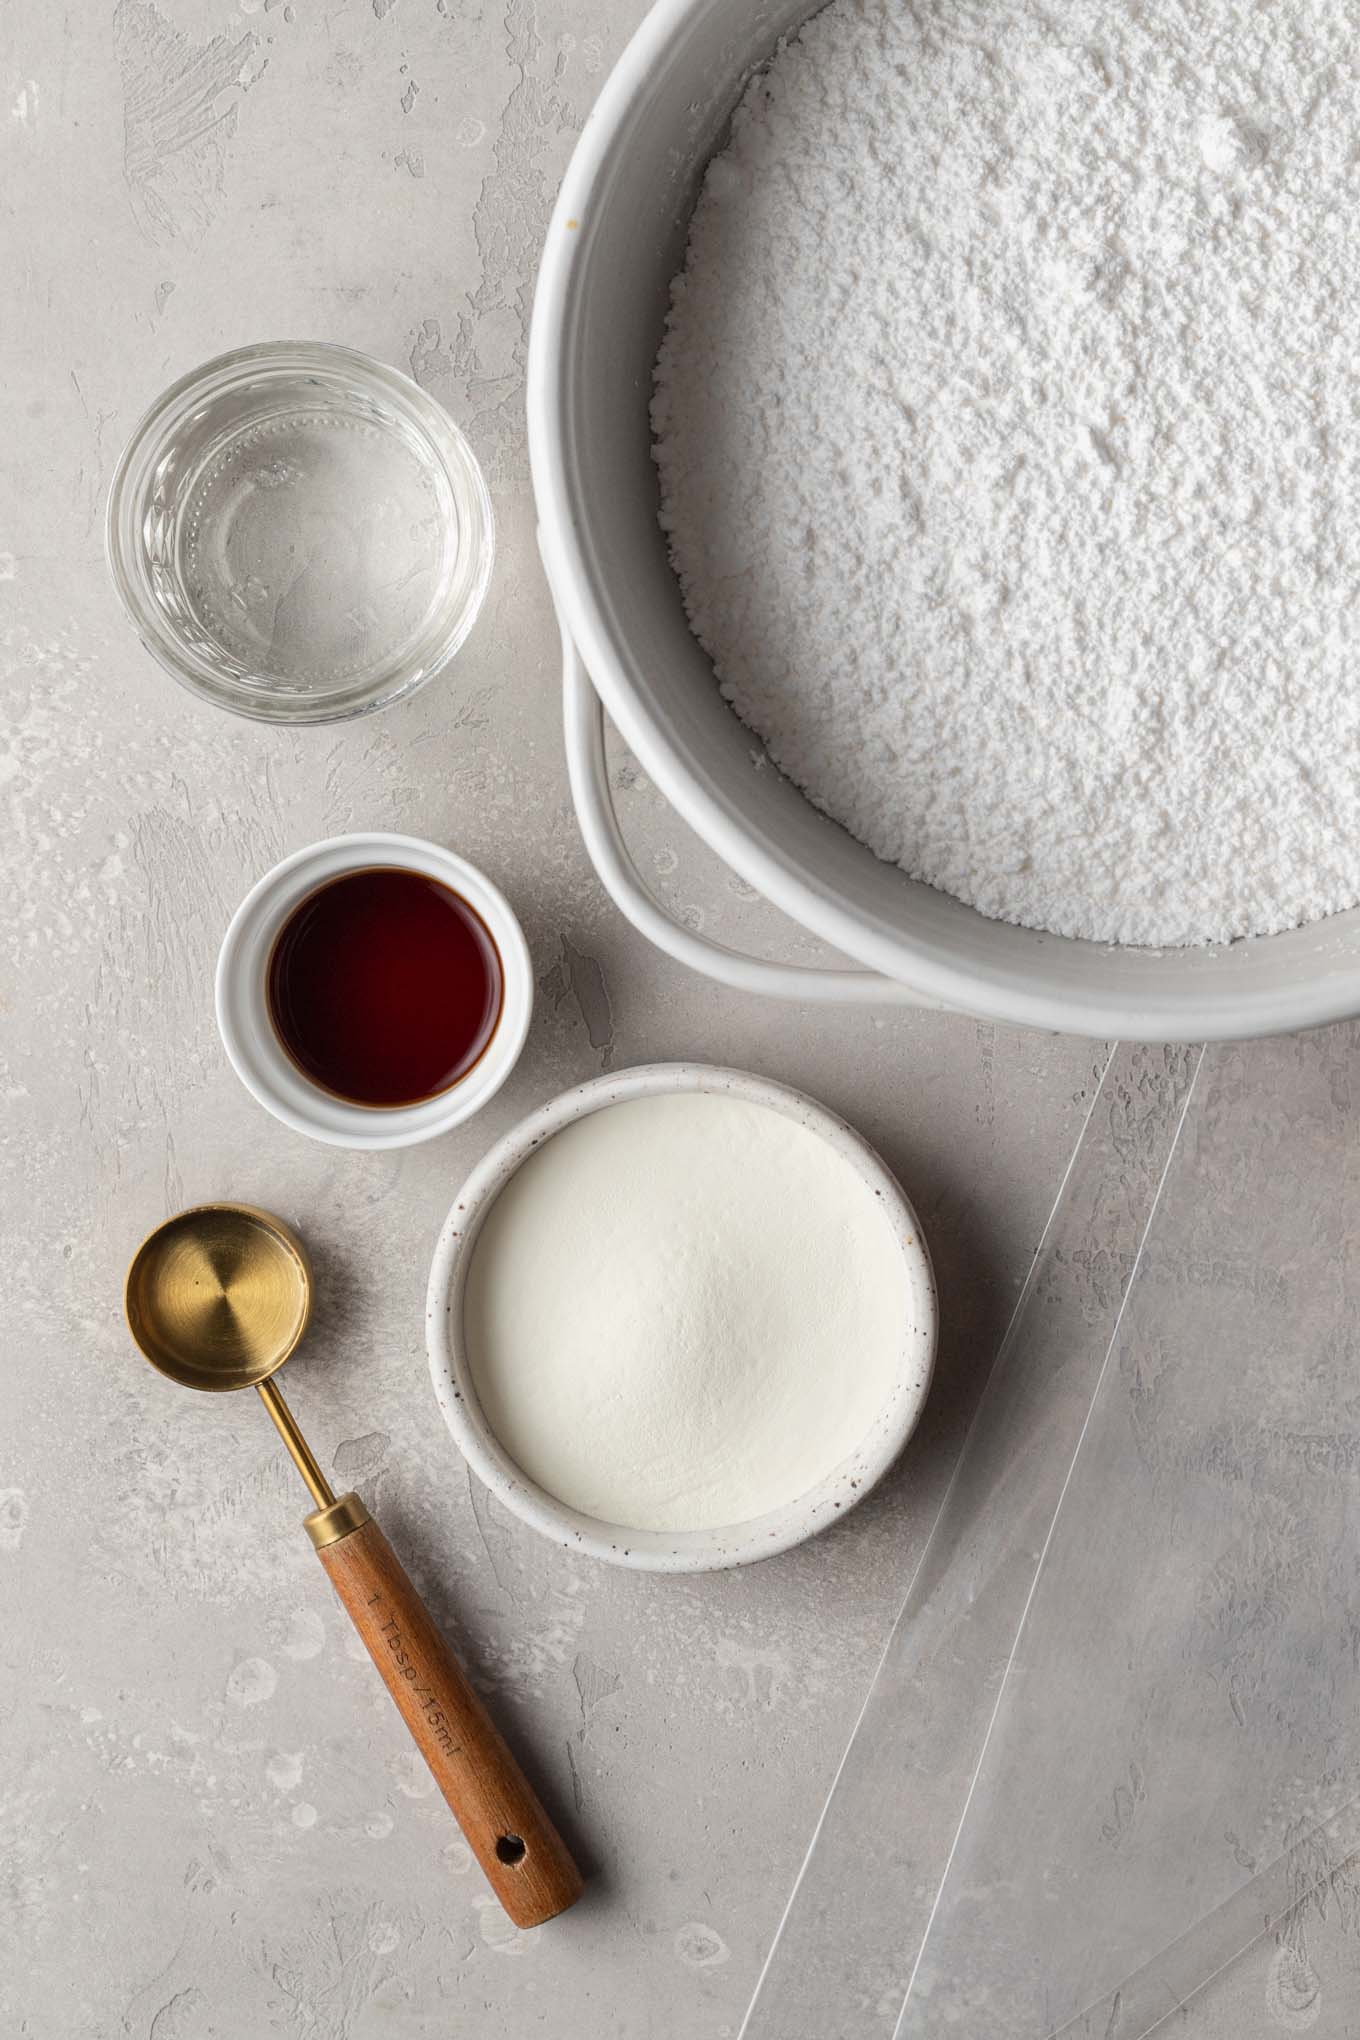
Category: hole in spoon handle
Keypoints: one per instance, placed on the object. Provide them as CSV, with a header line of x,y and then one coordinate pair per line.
x,y
524,1858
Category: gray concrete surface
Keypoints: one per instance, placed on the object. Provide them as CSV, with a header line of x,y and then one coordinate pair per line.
x,y
210,1825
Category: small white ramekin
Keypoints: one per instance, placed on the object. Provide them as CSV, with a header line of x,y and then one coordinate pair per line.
x,y
254,1050
675,1551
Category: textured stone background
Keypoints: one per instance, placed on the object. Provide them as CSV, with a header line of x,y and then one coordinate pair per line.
x,y
211,1827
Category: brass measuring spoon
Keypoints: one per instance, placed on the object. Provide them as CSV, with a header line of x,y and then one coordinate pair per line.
x,y
217,1298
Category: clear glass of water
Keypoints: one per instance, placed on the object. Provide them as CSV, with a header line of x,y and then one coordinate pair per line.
x,y
300,533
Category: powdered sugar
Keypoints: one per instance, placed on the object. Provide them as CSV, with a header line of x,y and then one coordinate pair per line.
x,y
1008,425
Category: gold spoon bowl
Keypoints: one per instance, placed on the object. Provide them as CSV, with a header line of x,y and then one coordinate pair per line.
x,y
217,1298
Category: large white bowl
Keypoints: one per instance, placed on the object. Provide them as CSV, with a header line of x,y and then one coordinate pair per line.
x,y
672,1550
616,239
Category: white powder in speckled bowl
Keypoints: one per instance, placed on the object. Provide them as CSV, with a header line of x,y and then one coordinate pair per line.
x,y
684,1311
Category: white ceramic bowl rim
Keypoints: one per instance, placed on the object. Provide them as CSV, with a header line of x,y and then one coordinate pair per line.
x,y
253,1048
613,247
670,1550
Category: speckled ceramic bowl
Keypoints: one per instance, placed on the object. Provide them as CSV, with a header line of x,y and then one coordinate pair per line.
x,y
673,1550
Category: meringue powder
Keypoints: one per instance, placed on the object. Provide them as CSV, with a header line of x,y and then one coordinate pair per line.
x,y
1008,428
684,1311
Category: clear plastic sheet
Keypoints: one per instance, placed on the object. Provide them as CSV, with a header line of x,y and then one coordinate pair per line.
x,y
845,1951
1172,1767
1314,1874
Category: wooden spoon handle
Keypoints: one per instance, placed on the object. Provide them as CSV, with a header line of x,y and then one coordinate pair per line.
x,y
525,1859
